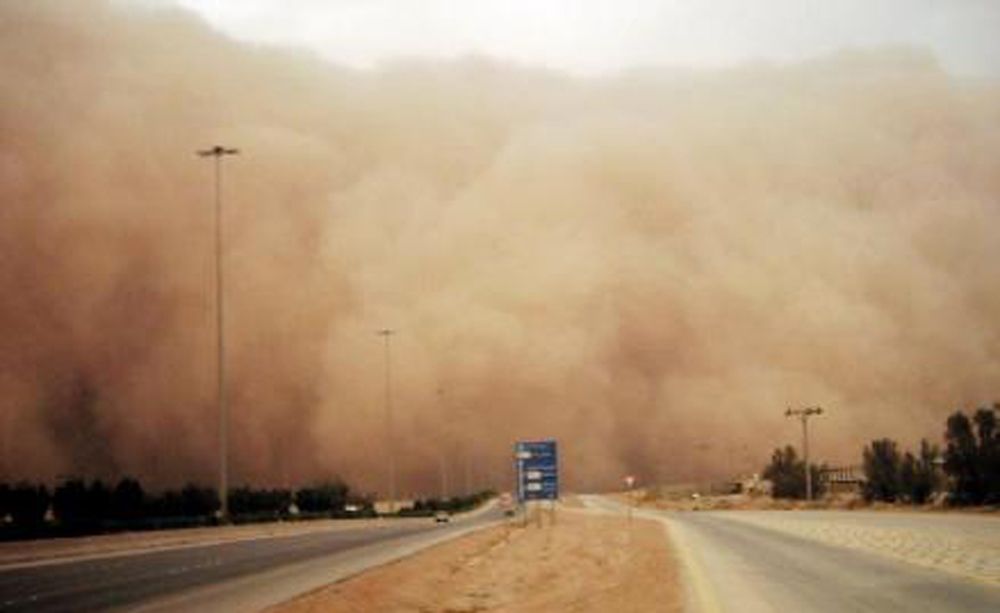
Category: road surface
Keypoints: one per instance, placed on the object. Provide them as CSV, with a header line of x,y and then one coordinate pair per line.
x,y
242,575
747,561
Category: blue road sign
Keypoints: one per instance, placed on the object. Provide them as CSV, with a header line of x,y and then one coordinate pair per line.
x,y
537,470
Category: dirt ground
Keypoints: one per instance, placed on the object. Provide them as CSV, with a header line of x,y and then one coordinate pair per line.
x,y
582,562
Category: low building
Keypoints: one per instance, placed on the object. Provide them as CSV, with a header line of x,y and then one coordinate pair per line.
x,y
384,507
753,486
842,479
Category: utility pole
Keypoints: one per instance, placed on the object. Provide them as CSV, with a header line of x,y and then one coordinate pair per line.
x,y
443,440
444,477
468,423
217,152
468,467
804,415
629,492
386,334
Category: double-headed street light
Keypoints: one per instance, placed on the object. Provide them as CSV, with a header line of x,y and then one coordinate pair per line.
x,y
804,415
386,334
218,152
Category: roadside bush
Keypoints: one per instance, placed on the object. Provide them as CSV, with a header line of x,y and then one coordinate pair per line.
x,y
128,501
455,504
329,497
198,501
80,506
4,501
69,501
28,504
918,475
248,501
167,503
787,474
191,501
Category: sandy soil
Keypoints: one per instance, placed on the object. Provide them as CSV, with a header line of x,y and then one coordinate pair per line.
x,y
582,562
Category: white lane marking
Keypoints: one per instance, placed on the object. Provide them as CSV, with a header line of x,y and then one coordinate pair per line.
x,y
702,596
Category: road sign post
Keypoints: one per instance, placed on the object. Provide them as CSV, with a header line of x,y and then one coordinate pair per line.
x,y
537,472
630,499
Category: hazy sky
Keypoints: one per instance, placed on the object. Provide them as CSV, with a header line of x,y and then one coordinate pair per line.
x,y
598,36
649,270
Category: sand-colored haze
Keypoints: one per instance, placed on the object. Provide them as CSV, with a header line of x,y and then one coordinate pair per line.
x,y
649,267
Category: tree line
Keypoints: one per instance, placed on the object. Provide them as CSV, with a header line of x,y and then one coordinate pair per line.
x,y
787,474
967,471
454,504
79,507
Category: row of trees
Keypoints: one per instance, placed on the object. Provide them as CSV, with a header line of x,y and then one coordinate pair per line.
x,y
972,456
894,477
787,474
80,507
969,468
455,504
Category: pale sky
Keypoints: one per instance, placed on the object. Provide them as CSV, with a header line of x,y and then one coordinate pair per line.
x,y
593,37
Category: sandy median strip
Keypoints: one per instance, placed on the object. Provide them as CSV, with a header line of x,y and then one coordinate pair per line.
x,y
585,562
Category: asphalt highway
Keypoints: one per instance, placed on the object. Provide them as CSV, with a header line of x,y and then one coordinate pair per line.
x,y
743,567
131,581
734,562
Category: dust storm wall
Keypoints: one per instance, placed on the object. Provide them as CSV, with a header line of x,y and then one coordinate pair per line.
x,y
649,266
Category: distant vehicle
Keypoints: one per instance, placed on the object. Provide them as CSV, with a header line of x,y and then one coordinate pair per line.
x,y
442,517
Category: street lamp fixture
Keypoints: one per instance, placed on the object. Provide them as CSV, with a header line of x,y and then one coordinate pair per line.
x,y
217,152
386,334
804,415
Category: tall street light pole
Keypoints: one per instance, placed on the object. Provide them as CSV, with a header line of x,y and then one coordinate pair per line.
x,y
467,423
443,468
804,415
468,467
386,334
217,152
464,448
442,449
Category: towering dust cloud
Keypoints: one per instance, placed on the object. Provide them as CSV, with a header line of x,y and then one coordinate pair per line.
x,y
649,267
